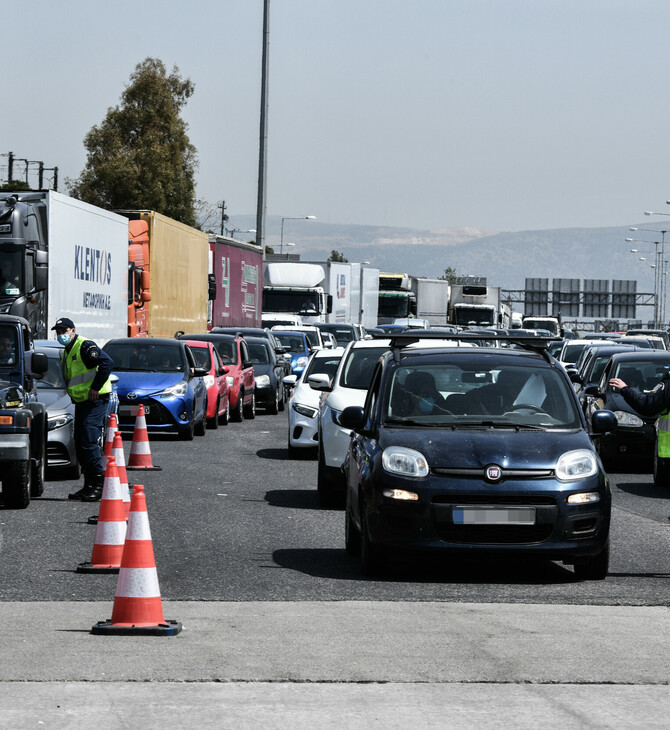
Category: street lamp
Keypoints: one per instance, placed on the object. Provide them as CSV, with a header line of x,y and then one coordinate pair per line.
x,y
659,279
233,231
292,218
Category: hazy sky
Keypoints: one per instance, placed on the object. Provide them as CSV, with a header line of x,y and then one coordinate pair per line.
x,y
498,114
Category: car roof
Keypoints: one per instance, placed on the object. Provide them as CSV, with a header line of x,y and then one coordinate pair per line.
x,y
208,336
143,340
643,353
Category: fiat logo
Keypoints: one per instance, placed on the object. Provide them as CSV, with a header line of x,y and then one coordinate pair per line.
x,y
493,473
131,396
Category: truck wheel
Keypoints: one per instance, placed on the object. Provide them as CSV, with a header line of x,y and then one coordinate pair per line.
x,y
16,485
37,478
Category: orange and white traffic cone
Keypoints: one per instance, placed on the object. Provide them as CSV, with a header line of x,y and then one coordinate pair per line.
x,y
110,534
137,604
112,428
140,453
117,453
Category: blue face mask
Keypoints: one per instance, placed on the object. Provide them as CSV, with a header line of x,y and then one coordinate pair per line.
x,y
426,404
64,339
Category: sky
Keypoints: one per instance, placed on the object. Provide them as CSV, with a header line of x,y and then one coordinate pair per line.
x,y
502,115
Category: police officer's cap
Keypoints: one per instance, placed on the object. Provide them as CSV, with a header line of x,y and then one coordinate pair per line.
x,y
63,323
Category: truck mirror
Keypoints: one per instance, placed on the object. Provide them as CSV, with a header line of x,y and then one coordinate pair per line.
x,y
39,363
41,279
329,304
145,296
412,306
145,280
211,287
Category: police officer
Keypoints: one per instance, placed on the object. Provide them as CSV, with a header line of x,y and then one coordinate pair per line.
x,y
654,403
86,369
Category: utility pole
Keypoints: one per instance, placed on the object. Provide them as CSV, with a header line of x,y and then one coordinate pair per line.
x,y
263,142
224,217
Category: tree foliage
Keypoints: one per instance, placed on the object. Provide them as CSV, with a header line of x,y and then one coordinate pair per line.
x,y
140,156
449,275
337,256
12,185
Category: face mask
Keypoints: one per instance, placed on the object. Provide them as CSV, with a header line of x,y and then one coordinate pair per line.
x,y
64,339
426,404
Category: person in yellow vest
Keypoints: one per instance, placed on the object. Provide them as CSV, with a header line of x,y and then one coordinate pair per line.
x,y
654,403
86,369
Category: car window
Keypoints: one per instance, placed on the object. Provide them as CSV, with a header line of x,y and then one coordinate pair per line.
x,y
641,374
8,346
258,353
359,365
53,378
313,338
467,392
292,342
323,366
343,335
228,351
202,357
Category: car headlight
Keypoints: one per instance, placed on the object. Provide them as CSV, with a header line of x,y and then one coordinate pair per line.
x,y
300,363
262,381
305,410
575,465
230,380
209,380
59,421
406,462
178,390
624,418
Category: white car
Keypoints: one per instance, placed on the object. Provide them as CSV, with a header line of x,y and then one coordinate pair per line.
x,y
572,349
349,387
303,407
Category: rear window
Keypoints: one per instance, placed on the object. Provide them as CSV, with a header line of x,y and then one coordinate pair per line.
x,y
258,353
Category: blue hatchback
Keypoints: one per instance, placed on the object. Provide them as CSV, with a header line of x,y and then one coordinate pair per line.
x,y
480,451
162,375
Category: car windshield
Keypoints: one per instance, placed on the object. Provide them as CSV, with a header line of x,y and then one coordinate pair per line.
x,y
146,356
228,351
258,353
476,394
641,374
202,357
8,347
53,378
358,367
323,366
343,335
291,341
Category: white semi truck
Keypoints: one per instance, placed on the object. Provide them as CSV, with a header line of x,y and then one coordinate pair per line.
x,y
478,305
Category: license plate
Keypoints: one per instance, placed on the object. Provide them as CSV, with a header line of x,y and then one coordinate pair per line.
x,y
131,410
493,515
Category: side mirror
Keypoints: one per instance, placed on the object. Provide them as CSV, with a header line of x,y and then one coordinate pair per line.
x,y
602,421
353,417
39,363
319,381
591,390
247,364
200,372
290,380
574,375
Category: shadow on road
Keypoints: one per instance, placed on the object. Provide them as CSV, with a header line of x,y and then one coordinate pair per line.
x,y
293,498
644,489
419,568
274,454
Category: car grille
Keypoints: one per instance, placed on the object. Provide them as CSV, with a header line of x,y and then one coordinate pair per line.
x,y
499,499
506,473
158,414
57,453
494,534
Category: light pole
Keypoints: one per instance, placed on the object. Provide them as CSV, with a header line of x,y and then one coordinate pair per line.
x,y
657,271
292,218
233,231
659,267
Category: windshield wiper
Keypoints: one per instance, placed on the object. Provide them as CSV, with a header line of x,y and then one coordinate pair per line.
x,y
408,422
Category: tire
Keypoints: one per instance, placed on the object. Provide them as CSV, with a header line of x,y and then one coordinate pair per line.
x,y
274,407
329,498
213,423
16,484
250,411
38,475
282,398
187,433
372,556
352,537
224,418
595,567
238,413
661,472
200,428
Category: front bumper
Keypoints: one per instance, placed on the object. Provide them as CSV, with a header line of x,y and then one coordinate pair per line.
x,y
303,431
161,414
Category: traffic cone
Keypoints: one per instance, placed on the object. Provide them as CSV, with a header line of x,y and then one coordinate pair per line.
x,y
137,604
140,453
117,453
110,533
112,428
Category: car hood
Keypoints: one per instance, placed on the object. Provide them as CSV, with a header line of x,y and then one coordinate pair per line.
x,y
476,448
306,395
263,369
145,383
55,400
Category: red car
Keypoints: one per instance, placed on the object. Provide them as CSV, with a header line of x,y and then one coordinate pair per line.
x,y
218,392
234,354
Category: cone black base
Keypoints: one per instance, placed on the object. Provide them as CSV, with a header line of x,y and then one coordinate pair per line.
x,y
144,468
88,568
92,520
169,628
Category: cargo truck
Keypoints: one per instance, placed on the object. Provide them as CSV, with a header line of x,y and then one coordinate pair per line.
x,y
396,299
168,283
432,299
60,257
478,305
543,322
236,274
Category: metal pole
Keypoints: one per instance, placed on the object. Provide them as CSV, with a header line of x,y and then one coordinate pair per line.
x,y
263,136
281,239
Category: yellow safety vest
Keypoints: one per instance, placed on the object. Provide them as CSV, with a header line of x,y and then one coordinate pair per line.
x,y
663,425
78,377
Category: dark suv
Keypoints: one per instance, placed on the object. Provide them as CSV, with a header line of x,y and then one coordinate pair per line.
x,y
482,451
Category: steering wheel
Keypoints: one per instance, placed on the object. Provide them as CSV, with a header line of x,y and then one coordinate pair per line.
x,y
530,406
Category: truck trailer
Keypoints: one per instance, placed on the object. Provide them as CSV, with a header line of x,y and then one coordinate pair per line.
x,y
61,257
168,283
432,299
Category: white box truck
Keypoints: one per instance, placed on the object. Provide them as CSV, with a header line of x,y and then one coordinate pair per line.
x,y
432,299
60,257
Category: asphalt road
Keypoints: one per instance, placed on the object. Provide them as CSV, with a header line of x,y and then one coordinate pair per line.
x,y
234,519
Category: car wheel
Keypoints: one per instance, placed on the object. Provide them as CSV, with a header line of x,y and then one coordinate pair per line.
x,y
282,397
661,471
16,484
224,418
274,407
238,413
595,567
352,537
372,557
187,433
325,486
37,476
250,411
200,428
214,422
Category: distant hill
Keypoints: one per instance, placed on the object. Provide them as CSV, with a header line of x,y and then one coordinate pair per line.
x,y
506,259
